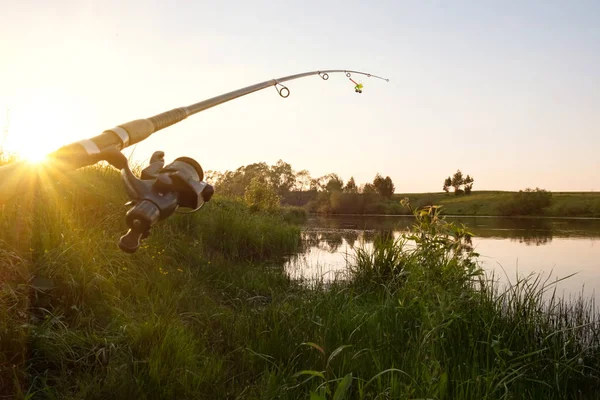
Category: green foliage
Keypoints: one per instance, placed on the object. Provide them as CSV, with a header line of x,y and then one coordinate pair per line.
x,y
353,203
575,205
348,203
527,202
303,181
234,183
294,215
300,189
230,230
205,310
477,203
447,184
369,188
351,186
334,183
385,262
384,186
261,195
320,203
81,319
424,201
444,247
457,181
468,184
460,183
420,321
282,177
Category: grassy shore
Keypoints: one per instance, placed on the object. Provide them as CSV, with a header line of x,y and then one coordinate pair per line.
x,y
483,203
205,311
563,204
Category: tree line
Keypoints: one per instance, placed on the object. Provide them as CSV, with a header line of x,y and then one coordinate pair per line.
x,y
282,179
265,187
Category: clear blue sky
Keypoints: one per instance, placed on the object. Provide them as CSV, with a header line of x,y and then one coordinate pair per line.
x,y
509,92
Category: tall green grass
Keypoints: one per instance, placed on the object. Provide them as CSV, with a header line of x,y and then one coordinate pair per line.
x,y
498,203
204,310
78,315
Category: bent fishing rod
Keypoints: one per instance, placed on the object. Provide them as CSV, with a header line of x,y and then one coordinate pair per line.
x,y
161,189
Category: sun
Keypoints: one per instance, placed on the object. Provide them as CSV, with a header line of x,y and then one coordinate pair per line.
x,y
30,149
36,128
33,155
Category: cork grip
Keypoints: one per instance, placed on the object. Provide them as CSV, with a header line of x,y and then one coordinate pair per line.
x,y
168,118
138,130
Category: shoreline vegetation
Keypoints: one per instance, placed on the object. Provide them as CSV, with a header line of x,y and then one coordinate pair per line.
x,y
205,309
330,194
475,204
458,216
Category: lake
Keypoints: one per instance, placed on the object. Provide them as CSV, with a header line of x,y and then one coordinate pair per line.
x,y
552,247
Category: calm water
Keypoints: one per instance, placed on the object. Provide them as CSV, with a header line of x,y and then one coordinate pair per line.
x,y
509,247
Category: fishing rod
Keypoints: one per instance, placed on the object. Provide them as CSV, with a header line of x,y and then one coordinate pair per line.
x,y
161,189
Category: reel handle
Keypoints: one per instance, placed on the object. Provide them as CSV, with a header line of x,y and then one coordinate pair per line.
x,y
160,191
139,220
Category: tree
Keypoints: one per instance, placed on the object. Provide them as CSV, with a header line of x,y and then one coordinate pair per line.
x,y
369,188
303,181
318,183
384,186
261,195
212,177
230,183
256,170
378,182
334,183
447,184
351,186
468,183
389,188
234,183
282,177
457,182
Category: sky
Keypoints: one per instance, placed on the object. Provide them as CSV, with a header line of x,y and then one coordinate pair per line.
x,y
507,92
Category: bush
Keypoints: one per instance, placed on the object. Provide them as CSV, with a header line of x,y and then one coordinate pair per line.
x,y
444,248
262,196
347,203
294,215
527,202
320,204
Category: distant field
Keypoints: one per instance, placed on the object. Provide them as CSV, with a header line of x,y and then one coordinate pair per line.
x,y
485,202
583,204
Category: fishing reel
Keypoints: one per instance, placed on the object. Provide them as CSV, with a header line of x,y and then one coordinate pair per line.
x,y
160,191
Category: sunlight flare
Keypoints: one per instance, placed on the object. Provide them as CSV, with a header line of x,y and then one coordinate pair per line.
x,y
39,125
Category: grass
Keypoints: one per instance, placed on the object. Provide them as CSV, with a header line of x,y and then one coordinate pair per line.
x,y
483,203
564,204
204,310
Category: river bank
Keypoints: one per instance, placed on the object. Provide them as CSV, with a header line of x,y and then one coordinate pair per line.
x,y
205,310
477,203
490,203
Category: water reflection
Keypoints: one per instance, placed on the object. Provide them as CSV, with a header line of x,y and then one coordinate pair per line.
x,y
331,240
529,231
510,246
326,240
536,240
